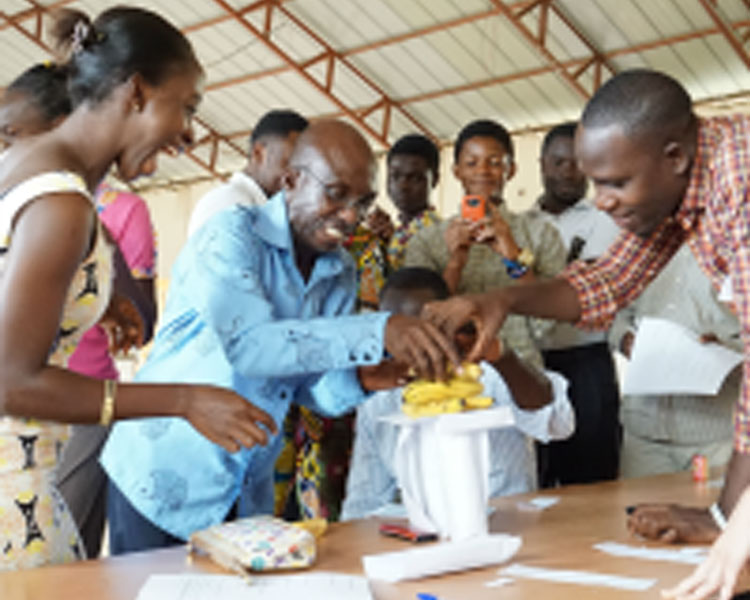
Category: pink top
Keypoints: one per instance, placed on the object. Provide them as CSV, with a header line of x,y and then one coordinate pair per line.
x,y
126,217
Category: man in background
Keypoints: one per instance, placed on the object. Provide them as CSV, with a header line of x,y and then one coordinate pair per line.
x,y
271,145
592,453
413,172
663,433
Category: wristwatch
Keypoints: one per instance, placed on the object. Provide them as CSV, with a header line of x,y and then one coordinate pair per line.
x,y
514,268
519,267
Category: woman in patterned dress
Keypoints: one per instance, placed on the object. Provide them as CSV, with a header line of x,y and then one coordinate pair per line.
x,y
134,83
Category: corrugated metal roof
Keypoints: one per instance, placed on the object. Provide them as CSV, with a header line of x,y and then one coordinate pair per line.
x,y
408,65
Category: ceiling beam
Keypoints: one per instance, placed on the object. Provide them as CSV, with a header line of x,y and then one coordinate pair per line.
x,y
214,136
538,40
33,12
15,23
726,29
333,61
381,43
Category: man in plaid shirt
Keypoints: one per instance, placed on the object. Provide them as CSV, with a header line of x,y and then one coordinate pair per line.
x,y
667,178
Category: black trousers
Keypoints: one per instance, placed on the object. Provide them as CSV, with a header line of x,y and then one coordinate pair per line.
x,y
592,453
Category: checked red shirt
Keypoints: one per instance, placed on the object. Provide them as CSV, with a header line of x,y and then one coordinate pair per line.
x,y
713,218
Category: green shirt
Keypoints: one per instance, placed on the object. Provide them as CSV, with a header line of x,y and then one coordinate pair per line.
x,y
485,270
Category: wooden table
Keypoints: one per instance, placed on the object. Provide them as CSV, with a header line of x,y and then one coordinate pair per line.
x,y
558,537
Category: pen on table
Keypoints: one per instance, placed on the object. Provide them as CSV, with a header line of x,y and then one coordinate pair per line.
x,y
427,597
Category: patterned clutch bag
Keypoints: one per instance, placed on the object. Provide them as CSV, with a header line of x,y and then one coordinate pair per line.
x,y
261,543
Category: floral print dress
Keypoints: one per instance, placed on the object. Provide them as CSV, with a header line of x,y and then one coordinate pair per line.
x,y
35,525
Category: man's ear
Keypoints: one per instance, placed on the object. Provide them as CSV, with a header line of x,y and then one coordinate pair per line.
x,y
677,155
258,152
509,170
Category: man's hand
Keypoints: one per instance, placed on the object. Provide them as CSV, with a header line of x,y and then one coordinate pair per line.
x,y
421,345
626,344
387,375
673,524
487,311
123,323
380,224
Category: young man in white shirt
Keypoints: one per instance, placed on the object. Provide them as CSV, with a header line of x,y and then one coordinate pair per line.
x,y
271,145
539,402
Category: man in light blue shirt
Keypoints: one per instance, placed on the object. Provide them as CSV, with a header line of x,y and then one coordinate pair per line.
x,y
260,302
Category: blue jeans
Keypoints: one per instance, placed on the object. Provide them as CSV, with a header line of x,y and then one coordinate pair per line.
x,y
129,530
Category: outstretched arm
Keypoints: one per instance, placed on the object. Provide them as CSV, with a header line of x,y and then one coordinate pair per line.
x,y
33,291
550,299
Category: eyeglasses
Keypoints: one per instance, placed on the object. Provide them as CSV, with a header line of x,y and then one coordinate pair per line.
x,y
337,193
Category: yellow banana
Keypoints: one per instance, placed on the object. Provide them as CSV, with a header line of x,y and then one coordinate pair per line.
x,y
479,402
460,392
419,392
464,388
471,371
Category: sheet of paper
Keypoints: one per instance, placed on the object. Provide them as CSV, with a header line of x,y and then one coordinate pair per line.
x,y
619,582
310,586
668,358
538,503
436,559
691,555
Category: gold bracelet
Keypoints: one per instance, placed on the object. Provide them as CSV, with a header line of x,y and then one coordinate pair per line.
x,y
108,402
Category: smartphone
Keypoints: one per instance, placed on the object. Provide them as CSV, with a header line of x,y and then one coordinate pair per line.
x,y
403,532
473,207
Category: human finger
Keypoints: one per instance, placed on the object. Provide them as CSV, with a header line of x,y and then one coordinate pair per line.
x,y
265,419
484,339
434,359
247,434
225,441
445,344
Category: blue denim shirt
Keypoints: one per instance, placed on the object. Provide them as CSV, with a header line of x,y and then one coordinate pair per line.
x,y
239,315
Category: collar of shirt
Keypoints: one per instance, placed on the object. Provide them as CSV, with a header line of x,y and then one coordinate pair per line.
x,y
692,204
272,225
426,217
249,186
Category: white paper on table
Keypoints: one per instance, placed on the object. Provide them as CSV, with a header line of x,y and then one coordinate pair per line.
x,y
668,358
619,582
310,586
691,555
441,558
538,503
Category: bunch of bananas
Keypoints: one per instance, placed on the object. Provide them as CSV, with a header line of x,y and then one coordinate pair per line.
x,y
461,392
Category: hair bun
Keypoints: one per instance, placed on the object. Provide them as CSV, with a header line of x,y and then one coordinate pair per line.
x,y
72,32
